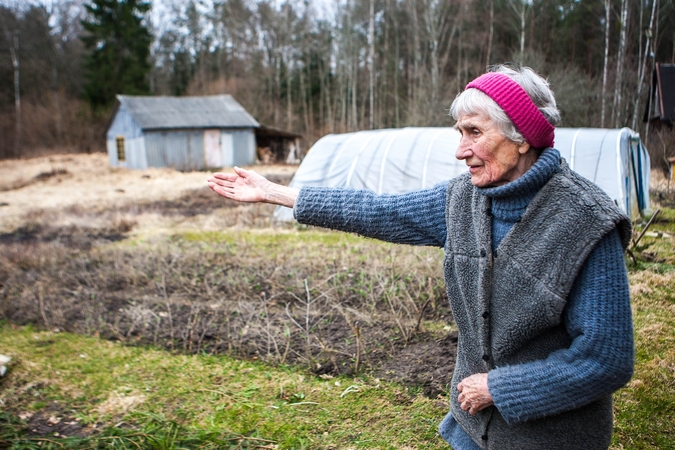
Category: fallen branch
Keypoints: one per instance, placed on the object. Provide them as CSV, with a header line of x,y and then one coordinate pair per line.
x,y
651,220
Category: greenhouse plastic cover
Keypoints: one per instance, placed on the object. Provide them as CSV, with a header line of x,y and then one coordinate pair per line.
x,y
407,159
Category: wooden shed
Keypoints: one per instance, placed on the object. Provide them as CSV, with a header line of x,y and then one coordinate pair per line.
x,y
660,108
186,133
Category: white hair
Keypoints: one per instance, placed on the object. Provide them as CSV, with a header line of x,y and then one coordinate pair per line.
x,y
474,102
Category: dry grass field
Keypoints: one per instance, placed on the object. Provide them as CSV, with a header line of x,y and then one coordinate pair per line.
x,y
80,182
154,258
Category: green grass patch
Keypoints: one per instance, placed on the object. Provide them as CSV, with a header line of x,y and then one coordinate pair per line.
x,y
162,400
645,409
267,237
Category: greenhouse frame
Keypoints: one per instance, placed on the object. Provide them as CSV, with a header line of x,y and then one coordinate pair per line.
x,y
407,159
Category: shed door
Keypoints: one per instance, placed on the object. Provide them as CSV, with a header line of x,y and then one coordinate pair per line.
x,y
227,146
212,153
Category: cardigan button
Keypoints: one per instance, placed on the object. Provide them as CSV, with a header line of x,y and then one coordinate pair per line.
x,y
483,253
484,437
486,357
486,315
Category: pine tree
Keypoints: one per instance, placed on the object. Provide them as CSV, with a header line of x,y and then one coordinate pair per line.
x,y
119,43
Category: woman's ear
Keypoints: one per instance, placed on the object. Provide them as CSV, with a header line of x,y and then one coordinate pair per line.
x,y
524,148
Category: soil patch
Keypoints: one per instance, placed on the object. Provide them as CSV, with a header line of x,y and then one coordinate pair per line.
x,y
427,364
190,204
52,421
70,236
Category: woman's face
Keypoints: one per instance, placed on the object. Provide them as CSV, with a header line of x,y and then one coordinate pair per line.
x,y
493,160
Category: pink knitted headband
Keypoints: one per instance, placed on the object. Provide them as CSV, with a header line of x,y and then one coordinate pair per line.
x,y
515,102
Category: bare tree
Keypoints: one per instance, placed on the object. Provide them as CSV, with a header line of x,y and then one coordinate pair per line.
x,y
492,31
436,21
12,38
521,8
608,6
643,66
414,84
620,62
371,71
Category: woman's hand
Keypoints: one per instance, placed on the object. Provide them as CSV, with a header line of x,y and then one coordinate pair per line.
x,y
249,186
474,394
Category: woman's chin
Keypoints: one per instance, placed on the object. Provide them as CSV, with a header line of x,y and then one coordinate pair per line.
x,y
480,181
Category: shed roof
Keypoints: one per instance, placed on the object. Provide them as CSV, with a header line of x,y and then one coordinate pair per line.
x,y
271,132
213,111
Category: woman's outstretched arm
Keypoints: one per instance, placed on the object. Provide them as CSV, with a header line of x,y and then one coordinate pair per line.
x,y
249,186
416,218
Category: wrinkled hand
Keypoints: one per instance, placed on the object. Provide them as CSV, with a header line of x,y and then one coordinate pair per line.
x,y
243,185
248,186
474,394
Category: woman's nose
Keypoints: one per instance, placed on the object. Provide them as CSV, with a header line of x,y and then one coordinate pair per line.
x,y
463,150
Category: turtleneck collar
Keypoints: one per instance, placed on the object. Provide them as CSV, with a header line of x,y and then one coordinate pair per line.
x,y
510,201
530,183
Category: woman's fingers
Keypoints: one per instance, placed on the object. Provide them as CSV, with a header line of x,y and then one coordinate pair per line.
x,y
241,172
224,183
474,393
219,190
243,185
225,176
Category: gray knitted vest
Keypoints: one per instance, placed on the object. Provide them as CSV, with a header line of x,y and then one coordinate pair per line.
x,y
508,306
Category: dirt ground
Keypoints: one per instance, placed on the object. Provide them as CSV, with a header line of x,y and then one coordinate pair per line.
x,y
87,181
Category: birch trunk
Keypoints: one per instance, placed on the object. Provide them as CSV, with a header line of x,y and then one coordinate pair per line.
x,y
355,113
608,5
397,117
417,53
522,30
277,79
620,61
289,99
655,45
435,18
384,116
308,94
14,50
492,31
520,9
643,65
642,8
371,71
305,102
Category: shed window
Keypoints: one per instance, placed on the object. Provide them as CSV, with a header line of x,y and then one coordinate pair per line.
x,y
120,148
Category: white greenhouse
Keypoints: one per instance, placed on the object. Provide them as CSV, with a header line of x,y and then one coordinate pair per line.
x,y
407,159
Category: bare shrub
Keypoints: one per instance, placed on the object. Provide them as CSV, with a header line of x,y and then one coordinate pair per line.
x,y
52,122
334,313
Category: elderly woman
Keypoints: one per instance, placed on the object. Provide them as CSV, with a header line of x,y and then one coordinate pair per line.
x,y
533,266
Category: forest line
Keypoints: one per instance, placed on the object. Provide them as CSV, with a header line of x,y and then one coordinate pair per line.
x,y
317,68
